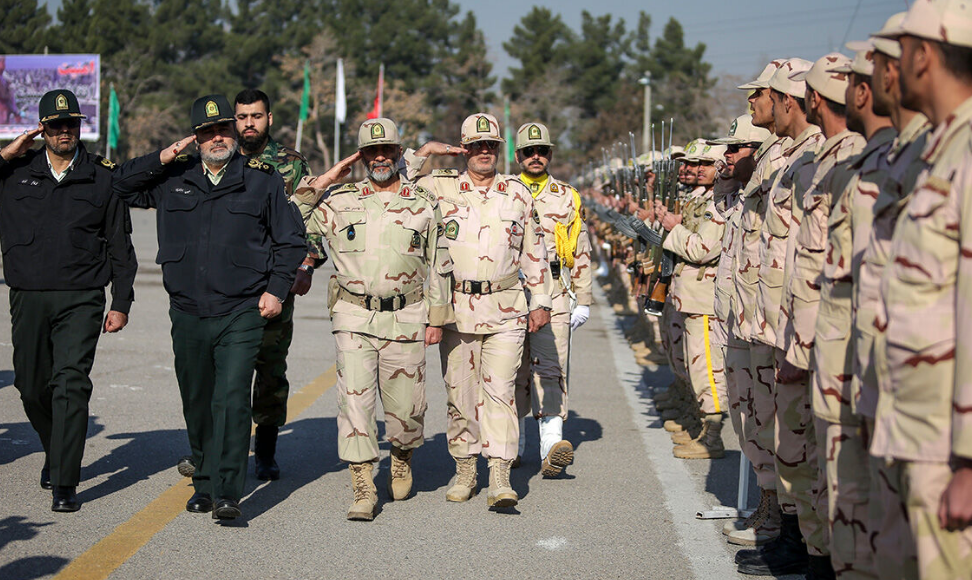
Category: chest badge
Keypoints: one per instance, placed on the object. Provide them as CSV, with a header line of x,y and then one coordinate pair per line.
x,y
452,230
416,241
351,234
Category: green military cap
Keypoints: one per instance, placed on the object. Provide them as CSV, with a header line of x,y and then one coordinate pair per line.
x,y
379,131
59,104
211,110
530,134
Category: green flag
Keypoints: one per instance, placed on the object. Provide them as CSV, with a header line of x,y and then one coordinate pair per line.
x,y
305,98
113,130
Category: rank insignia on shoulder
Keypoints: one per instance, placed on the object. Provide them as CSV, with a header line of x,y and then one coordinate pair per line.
x,y
445,173
406,192
426,195
107,163
501,187
260,165
351,235
536,217
464,186
452,229
182,158
554,188
416,241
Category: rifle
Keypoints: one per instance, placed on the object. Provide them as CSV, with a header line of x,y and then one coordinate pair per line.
x,y
663,262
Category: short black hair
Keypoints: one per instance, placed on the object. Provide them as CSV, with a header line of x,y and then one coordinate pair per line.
x,y
957,60
861,79
800,101
250,96
835,107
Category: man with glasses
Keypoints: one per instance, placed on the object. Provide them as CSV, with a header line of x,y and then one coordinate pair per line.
x,y
57,275
542,382
493,234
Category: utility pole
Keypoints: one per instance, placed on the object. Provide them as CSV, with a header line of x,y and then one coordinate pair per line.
x,y
646,131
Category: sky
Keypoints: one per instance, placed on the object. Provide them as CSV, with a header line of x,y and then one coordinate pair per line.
x,y
741,36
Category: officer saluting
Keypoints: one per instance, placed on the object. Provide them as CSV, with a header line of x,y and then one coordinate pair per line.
x,y
229,243
64,238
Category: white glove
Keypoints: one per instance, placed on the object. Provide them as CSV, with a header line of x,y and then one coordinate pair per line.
x,y
579,316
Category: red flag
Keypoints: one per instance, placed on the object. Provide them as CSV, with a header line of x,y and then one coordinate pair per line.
x,y
376,111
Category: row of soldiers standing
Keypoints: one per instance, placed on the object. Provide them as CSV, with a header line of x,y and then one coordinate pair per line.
x,y
836,249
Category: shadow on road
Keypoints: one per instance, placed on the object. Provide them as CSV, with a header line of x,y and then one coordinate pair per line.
x,y
32,567
20,440
17,528
142,455
6,378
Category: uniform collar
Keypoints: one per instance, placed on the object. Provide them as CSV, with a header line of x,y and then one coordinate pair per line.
x,y
915,128
879,141
941,139
269,152
831,144
535,184
59,177
802,138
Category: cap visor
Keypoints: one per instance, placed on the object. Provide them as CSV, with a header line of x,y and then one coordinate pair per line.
x,y
844,68
754,85
799,76
859,45
213,122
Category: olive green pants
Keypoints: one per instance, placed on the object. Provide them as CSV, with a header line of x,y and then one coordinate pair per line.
x,y
214,360
54,334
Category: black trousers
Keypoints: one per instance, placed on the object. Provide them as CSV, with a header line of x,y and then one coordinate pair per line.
x,y
55,334
214,360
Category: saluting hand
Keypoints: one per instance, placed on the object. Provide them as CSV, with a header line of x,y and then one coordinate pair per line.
x,y
21,144
336,173
439,148
169,154
115,321
270,306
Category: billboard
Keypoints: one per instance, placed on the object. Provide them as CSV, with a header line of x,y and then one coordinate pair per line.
x,y
24,78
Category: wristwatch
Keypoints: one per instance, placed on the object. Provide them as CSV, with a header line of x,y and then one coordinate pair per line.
x,y
306,268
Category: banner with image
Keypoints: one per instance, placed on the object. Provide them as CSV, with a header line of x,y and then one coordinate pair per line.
x,y
24,78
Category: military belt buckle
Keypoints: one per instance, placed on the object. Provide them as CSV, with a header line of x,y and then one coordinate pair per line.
x,y
387,304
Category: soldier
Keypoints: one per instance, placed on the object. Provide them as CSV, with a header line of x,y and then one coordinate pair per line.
x,y
385,235
696,238
749,365
787,553
57,280
923,415
842,442
229,243
270,387
493,233
894,548
542,381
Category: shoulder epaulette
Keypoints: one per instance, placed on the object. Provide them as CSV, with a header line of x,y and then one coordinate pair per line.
x,y
343,188
288,152
426,195
182,158
261,166
445,173
105,162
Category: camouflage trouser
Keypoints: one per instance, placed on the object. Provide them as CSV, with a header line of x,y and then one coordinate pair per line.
x,y
942,555
270,387
801,482
368,366
894,546
673,332
479,372
843,454
541,382
760,411
706,366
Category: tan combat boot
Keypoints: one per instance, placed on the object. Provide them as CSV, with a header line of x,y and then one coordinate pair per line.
x,y
500,492
708,447
758,514
765,529
692,433
465,485
365,492
400,475
682,423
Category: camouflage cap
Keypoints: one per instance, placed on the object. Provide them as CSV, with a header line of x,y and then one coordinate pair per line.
x,y
781,81
884,45
379,131
59,104
692,150
675,152
831,85
742,131
705,153
945,21
863,64
480,127
211,110
533,134
762,81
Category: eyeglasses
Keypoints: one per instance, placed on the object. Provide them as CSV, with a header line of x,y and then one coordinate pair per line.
x,y
491,146
541,150
737,146
58,124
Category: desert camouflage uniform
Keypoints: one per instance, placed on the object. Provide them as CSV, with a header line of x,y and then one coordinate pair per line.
x,y
541,383
493,234
270,385
729,202
672,325
697,242
750,364
844,456
385,244
789,441
924,414
894,549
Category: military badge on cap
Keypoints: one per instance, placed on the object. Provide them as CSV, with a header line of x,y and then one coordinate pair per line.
x,y
534,132
61,103
452,229
211,109
482,125
377,131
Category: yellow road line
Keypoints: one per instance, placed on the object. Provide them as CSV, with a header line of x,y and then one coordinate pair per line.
x,y
128,538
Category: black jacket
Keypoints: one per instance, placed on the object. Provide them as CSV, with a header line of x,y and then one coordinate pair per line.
x,y
72,235
221,247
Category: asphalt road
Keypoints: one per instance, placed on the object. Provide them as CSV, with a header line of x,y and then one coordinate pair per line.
x,y
626,508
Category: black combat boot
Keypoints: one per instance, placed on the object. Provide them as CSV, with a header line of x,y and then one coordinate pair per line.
x,y
785,555
821,569
264,448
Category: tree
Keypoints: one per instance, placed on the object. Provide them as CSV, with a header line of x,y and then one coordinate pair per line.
x,y
468,82
24,26
539,43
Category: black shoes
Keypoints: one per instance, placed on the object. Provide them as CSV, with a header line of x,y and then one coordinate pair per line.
x,y
65,499
264,448
200,503
821,569
787,554
226,509
186,467
45,479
